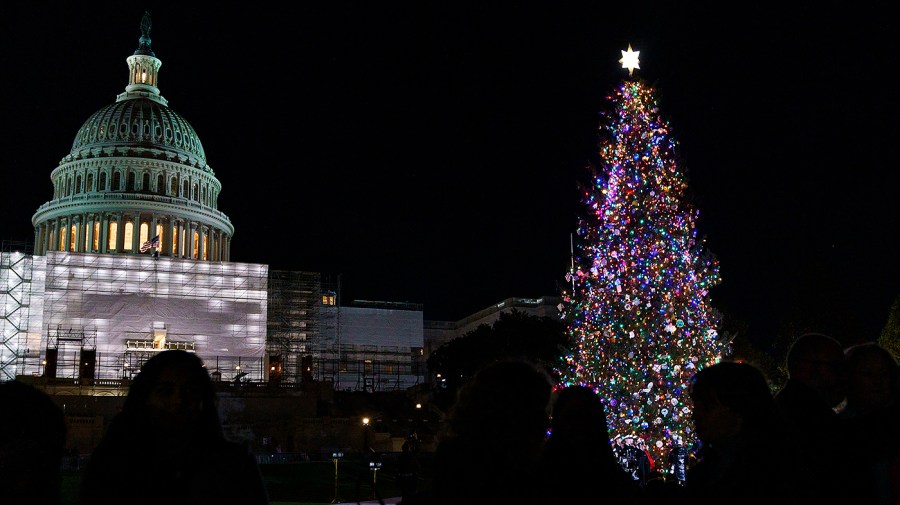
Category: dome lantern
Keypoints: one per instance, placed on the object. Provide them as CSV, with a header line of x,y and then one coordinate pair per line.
x,y
143,69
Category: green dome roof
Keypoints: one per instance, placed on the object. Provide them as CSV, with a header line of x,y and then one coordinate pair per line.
x,y
139,122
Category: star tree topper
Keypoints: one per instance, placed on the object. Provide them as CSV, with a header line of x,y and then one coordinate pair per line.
x,y
630,60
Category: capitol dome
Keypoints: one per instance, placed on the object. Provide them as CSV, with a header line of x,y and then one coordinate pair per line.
x,y
136,180
143,122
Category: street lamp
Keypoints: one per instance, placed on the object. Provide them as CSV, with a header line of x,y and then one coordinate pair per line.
x,y
336,456
374,466
365,422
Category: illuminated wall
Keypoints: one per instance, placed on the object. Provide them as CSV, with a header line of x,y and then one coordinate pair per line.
x,y
377,349
128,307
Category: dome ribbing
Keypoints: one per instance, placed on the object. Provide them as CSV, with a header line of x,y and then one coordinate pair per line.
x,y
139,122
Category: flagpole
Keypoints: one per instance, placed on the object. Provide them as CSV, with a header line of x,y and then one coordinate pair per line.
x,y
572,259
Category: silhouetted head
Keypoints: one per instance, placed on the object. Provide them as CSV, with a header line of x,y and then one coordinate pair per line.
x,y
730,399
32,442
505,400
872,377
818,361
579,413
173,392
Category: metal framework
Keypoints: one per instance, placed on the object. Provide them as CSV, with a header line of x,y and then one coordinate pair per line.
x,y
18,328
94,319
92,316
294,327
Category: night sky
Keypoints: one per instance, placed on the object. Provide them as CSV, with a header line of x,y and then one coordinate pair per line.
x,y
430,152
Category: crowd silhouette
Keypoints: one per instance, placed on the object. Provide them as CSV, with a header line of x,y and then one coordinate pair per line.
x,y
492,438
870,418
577,459
828,436
32,444
166,445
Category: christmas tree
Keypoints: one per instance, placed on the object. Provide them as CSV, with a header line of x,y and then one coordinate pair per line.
x,y
640,321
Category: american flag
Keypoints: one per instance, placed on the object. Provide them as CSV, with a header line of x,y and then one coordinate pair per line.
x,y
153,243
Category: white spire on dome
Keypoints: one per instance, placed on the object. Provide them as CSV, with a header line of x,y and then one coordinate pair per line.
x,y
143,69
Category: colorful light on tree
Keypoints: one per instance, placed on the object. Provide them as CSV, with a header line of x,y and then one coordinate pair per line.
x,y
639,316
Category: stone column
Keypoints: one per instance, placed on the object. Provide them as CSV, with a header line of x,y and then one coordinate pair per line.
x,y
201,241
120,232
104,233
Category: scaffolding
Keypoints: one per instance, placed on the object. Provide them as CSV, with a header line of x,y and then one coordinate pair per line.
x,y
309,340
373,368
91,319
21,275
293,328
106,314
376,346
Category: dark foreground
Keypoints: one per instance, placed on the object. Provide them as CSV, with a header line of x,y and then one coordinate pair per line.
x,y
312,482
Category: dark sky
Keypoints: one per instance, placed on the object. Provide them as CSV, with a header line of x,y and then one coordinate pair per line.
x,y
430,152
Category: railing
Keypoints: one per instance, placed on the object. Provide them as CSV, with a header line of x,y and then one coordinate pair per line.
x,y
281,458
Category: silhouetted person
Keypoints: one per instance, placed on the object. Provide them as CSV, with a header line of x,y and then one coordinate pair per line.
x,y
408,466
746,455
644,464
872,381
167,445
677,459
32,443
871,421
816,386
577,459
633,459
492,437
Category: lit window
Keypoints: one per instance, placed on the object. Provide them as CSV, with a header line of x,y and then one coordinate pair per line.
x,y
113,232
129,235
145,232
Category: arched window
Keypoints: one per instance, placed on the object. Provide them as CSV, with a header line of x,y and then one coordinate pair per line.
x,y
161,184
128,236
196,245
145,182
96,244
117,181
174,190
102,186
195,194
68,186
186,190
112,235
90,183
145,233
78,184
130,181
73,236
175,237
